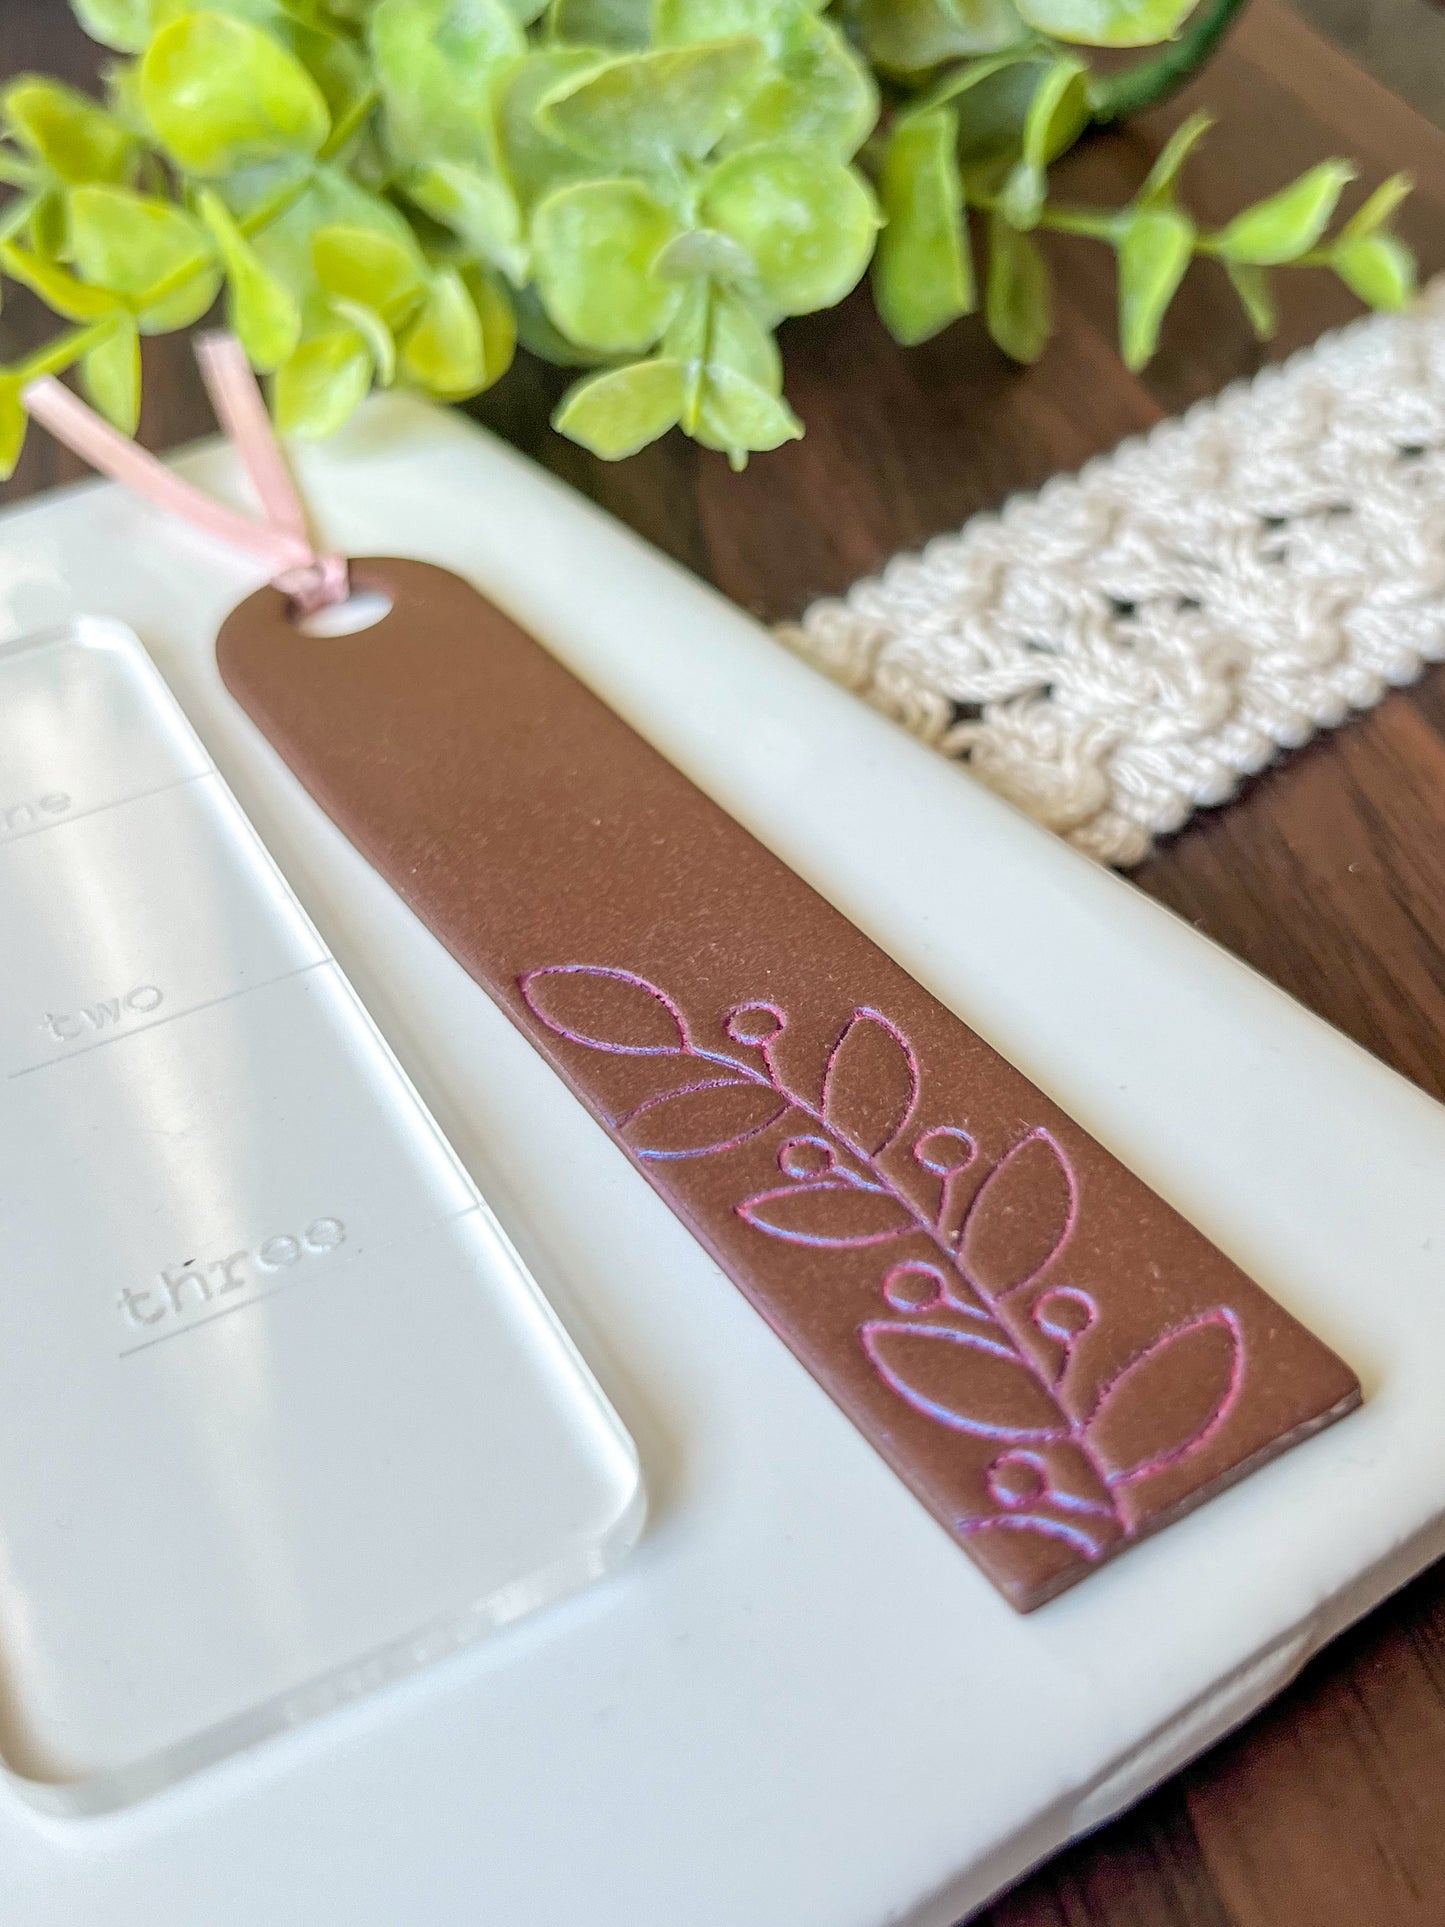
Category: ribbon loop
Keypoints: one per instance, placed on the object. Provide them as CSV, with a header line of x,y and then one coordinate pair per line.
x,y
308,576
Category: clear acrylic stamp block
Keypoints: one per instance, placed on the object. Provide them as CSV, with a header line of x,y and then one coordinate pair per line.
x,y
282,1415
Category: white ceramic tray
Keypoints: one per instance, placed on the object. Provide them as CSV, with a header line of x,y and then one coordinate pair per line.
x,y
796,1704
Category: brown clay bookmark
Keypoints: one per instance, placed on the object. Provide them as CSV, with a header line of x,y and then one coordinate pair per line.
x,y
1045,1352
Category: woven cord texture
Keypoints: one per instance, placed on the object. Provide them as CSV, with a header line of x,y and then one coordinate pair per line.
x,y
1127,645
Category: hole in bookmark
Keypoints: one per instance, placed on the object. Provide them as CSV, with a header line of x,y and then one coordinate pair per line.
x,y
363,609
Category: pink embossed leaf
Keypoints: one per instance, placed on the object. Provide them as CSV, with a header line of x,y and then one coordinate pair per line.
x,y
971,1383
701,1118
871,1083
606,1009
1167,1403
1085,1539
829,1212
1021,1217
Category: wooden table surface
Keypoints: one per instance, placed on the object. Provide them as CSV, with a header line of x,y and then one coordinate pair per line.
x,y
1328,874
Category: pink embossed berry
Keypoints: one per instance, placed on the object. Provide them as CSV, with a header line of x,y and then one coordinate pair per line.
x,y
1017,1478
754,1023
913,1286
944,1150
805,1157
1064,1312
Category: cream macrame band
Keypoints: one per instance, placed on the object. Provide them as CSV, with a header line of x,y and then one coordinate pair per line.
x,y
1124,647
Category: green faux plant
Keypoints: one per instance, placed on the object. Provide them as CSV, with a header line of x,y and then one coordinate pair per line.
x,y
402,190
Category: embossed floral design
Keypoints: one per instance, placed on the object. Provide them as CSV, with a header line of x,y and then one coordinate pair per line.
x,y
974,1337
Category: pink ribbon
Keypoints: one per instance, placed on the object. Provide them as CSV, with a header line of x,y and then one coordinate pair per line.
x,y
309,576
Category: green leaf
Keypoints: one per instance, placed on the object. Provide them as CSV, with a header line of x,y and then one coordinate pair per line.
x,y
110,375
1375,265
122,24
326,197
807,220
321,386
1107,23
437,65
58,289
602,23
923,271
178,307
688,334
1379,268
1058,112
49,225
1159,182
261,310
221,94
1018,304
646,109
76,139
1024,193
595,246
1155,248
498,318
536,160
129,241
479,207
1373,214
623,409
156,255
966,79
15,216
685,23
992,119
737,339
912,36
375,332
274,15
740,417
1289,223
538,336
341,70
121,80
444,350
704,252
17,171
716,327
1255,297
816,89
692,337
13,424
362,264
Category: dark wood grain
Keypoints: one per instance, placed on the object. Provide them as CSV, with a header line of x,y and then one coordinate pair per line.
x,y
1328,874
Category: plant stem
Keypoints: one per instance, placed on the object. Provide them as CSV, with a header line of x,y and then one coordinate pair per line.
x,y
58,355
1150,81
349,122
1097,223
15,214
